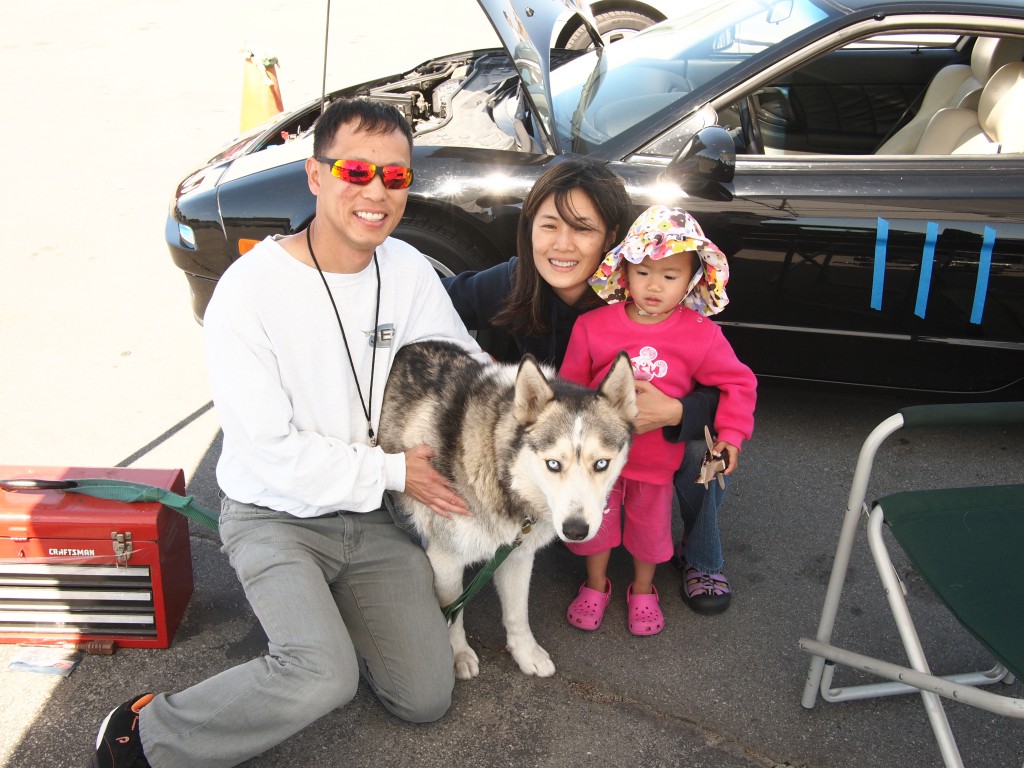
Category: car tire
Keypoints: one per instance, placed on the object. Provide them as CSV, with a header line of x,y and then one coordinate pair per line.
x,y
612,25
448,249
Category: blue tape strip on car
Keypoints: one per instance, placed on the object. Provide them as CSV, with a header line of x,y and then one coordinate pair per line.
x,y
927,262
878,281
984,265
927,265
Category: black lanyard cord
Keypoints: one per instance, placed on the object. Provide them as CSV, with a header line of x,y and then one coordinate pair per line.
x,y
366,405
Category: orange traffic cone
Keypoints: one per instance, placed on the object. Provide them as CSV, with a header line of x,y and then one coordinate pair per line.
x,y
261,93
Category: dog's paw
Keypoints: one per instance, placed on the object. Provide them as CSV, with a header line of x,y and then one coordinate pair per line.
x,y
533,660
467,664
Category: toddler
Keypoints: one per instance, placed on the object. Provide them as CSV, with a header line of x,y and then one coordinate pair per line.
x,y
662,282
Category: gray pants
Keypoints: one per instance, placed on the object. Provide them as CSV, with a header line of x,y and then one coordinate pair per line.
x,y
337,596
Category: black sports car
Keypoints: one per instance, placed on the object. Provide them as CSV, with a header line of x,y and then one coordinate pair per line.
x,y
860,163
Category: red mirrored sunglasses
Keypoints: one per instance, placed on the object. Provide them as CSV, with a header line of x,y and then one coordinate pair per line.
x,y
358,172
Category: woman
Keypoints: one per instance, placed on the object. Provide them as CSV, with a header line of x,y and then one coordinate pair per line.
x,y
570,219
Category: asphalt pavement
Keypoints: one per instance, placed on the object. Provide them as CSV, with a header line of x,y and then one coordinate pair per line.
x,y
112,104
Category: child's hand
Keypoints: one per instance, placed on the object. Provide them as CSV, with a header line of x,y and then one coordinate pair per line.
x,y
732,455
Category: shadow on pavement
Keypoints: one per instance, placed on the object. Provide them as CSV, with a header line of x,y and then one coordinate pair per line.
x,y
708,691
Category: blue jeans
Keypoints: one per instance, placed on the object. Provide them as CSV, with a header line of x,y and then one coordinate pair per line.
x,y
338,596
699,509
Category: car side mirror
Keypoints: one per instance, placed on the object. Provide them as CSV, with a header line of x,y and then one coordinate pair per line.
x,y
705,163
780,12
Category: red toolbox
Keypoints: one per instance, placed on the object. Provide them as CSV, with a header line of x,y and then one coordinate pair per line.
x,y
74,567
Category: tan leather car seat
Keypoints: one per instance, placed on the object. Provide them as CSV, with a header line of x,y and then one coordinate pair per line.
x,y
957,85
996,128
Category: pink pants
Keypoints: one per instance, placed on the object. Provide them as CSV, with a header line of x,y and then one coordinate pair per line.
x,y
647,532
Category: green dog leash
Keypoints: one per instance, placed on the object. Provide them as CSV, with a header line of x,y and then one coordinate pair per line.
x,y
119,490
484,575
452,610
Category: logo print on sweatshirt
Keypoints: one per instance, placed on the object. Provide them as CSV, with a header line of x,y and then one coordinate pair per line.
x,y
646,366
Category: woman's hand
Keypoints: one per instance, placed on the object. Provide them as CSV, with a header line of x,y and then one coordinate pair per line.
x,y
427,486
731,453
655,409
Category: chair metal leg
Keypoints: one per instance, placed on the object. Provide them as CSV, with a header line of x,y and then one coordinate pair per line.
x,y
911,641
963,688
854,509
863,691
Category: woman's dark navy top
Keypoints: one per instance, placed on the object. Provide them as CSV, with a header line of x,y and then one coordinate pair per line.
x,y
479,296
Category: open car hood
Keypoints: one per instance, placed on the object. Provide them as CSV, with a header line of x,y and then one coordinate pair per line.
x,y
527,29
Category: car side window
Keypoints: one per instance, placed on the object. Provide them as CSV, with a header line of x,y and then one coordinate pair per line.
x,y
878,95
846,102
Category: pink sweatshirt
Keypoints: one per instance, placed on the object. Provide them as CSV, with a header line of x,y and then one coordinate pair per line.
x,y
682,350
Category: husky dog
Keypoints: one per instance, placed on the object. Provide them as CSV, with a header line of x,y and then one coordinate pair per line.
x,y
526,450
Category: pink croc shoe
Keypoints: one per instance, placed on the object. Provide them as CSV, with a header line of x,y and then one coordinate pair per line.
x,y
645,616
587,610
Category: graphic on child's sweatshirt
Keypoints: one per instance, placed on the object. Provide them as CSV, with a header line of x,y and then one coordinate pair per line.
x,y
646,366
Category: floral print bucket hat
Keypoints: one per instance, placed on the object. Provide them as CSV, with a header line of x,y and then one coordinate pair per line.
x,y
658,232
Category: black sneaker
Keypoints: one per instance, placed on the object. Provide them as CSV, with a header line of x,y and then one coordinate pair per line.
x,y
118,744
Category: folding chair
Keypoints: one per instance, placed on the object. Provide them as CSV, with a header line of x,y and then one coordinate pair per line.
x,y
981,529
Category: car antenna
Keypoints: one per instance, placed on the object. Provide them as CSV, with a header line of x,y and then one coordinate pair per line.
x,y
323,82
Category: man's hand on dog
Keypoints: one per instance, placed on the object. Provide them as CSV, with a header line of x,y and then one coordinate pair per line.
x,y
424,484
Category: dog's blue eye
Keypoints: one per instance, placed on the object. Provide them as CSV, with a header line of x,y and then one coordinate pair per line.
x,y
601,465
554,466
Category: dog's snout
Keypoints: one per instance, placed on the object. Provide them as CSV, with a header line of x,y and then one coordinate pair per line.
x,y
575,529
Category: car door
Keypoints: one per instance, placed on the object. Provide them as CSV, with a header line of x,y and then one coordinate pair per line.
x,y
898,272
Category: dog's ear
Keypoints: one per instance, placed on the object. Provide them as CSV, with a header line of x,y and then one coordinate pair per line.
x,y
618,386
533,392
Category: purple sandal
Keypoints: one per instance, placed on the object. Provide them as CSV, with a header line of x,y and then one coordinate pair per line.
x,y
706,593
587,610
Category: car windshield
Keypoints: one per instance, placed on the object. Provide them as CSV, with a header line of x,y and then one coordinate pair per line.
x,y
601,95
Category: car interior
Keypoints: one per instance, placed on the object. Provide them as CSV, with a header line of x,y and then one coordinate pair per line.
x,y
896,100
956,86
995,127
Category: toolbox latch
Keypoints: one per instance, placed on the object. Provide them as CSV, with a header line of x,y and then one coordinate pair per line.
x,y
122,546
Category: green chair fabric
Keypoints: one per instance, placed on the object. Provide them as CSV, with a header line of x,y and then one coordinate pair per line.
x,y
968,545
